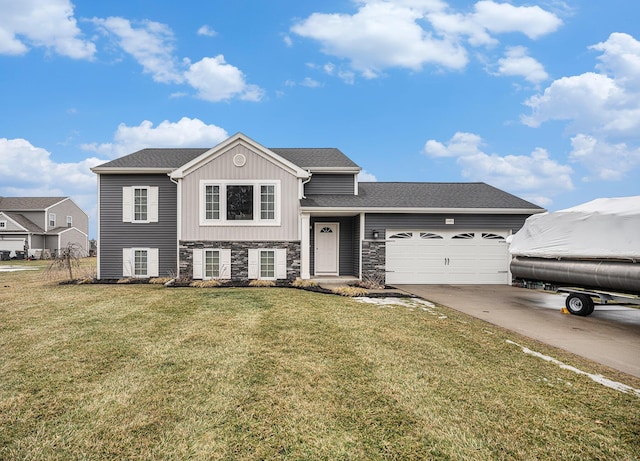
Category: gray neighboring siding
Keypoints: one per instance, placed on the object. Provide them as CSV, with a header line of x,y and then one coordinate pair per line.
x,y
330,184
382,222
116,235
356,244
348,251
74,236
69,208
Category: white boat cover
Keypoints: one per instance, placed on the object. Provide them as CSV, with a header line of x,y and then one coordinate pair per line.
x,y
605,228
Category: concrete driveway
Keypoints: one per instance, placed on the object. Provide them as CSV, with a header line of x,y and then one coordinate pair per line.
x,y
610,336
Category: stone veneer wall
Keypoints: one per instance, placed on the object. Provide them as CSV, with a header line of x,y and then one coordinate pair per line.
x,y
373,260
239,256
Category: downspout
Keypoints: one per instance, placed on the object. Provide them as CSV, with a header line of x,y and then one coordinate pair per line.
x,y
178,222
305,182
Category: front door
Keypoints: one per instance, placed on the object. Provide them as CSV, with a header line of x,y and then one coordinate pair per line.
x,y
326,251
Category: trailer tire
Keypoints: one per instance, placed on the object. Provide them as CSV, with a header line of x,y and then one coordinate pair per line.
x,y
579,304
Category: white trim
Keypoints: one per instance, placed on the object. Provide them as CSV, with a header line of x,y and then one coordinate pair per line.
x,y
69,221
130,170
98,246
55,222
128,262
319,225
357,210
257,220
3,224
128,204
305,246
362,235
334,169
178,184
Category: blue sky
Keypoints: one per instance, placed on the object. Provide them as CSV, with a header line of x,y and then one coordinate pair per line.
x,y
540,98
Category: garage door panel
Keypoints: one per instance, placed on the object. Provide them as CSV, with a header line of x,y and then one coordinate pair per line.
x,y
456,257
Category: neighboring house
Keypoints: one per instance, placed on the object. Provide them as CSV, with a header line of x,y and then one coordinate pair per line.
x,y
38,224
242,211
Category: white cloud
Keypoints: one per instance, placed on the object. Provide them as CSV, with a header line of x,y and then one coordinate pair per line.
x,y
518,63
535,177
365,176
42,23
216,81
186,132
603,109
207,31
532,21
412,33
30,171
380,35
149,42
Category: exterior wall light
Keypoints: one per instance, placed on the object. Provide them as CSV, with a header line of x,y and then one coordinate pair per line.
x,y
376,234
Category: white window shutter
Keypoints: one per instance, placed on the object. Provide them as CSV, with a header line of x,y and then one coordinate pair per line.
x,y
152,210
127,205
127,262
153,262
281,263
225,263
198,265
254,263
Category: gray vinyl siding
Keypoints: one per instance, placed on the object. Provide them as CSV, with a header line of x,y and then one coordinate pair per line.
x,y
69,208
348,243
37,217
355,236
74,236
116,235
11,226
330,184
382,222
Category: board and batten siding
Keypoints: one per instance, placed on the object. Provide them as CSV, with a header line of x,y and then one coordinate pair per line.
x,y
256,168
330,184
381,222
116,235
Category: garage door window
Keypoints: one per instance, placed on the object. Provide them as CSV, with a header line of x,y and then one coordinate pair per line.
x,y
429,235
464,236
402,235
489,236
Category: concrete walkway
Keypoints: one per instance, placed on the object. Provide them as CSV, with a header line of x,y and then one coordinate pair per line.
x,y
610,336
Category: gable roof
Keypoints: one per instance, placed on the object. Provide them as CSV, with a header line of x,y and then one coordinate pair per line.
x,y
171,159
28,203
23,222
395,196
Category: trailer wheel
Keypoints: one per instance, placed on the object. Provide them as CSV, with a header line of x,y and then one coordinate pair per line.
x,y
579,304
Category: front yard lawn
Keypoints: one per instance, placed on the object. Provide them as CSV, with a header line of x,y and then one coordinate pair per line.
x,y
147,372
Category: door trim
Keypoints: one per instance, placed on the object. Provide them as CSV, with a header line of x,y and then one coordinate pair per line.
x,y
316,230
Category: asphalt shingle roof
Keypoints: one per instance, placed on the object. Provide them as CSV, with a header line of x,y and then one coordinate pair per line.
x,y
28,203
171,159
421,195
24,222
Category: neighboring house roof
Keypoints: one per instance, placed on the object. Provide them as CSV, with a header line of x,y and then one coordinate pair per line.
x,y
406,195
28,203
24,222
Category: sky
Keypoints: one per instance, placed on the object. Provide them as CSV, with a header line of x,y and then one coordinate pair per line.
x,y
540,98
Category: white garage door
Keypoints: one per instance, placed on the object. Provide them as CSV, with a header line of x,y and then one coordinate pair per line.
x,y
12,245
454,257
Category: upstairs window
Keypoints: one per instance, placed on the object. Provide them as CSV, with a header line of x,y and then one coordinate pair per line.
x,y
140,204
52,220
233,203
69,221
3,224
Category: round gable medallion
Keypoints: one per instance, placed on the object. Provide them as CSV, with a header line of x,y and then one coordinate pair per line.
x,y
239,160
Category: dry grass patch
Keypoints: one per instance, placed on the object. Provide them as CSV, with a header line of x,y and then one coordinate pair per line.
x,y
160,280
350,291
140,372
205,284
262,283
304,283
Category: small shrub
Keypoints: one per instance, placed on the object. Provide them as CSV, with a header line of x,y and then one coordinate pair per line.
x,y
262,283
159,280
125,281
300,283
373,280
350,291
205,283
85,281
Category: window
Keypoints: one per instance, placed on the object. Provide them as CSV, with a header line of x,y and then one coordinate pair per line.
x,y
231,203
402,235
69,221
211,264
140,262
268,201
429,235
239,203
267,264
3,224
464,236
52,220
212,202
490,236
140,204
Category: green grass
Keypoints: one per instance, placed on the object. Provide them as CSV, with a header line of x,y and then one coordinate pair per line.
x,y
147,372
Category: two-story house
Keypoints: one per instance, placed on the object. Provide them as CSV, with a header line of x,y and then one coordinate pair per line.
x,y
242,211
37,224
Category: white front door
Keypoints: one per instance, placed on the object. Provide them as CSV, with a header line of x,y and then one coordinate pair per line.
x,y
326,248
